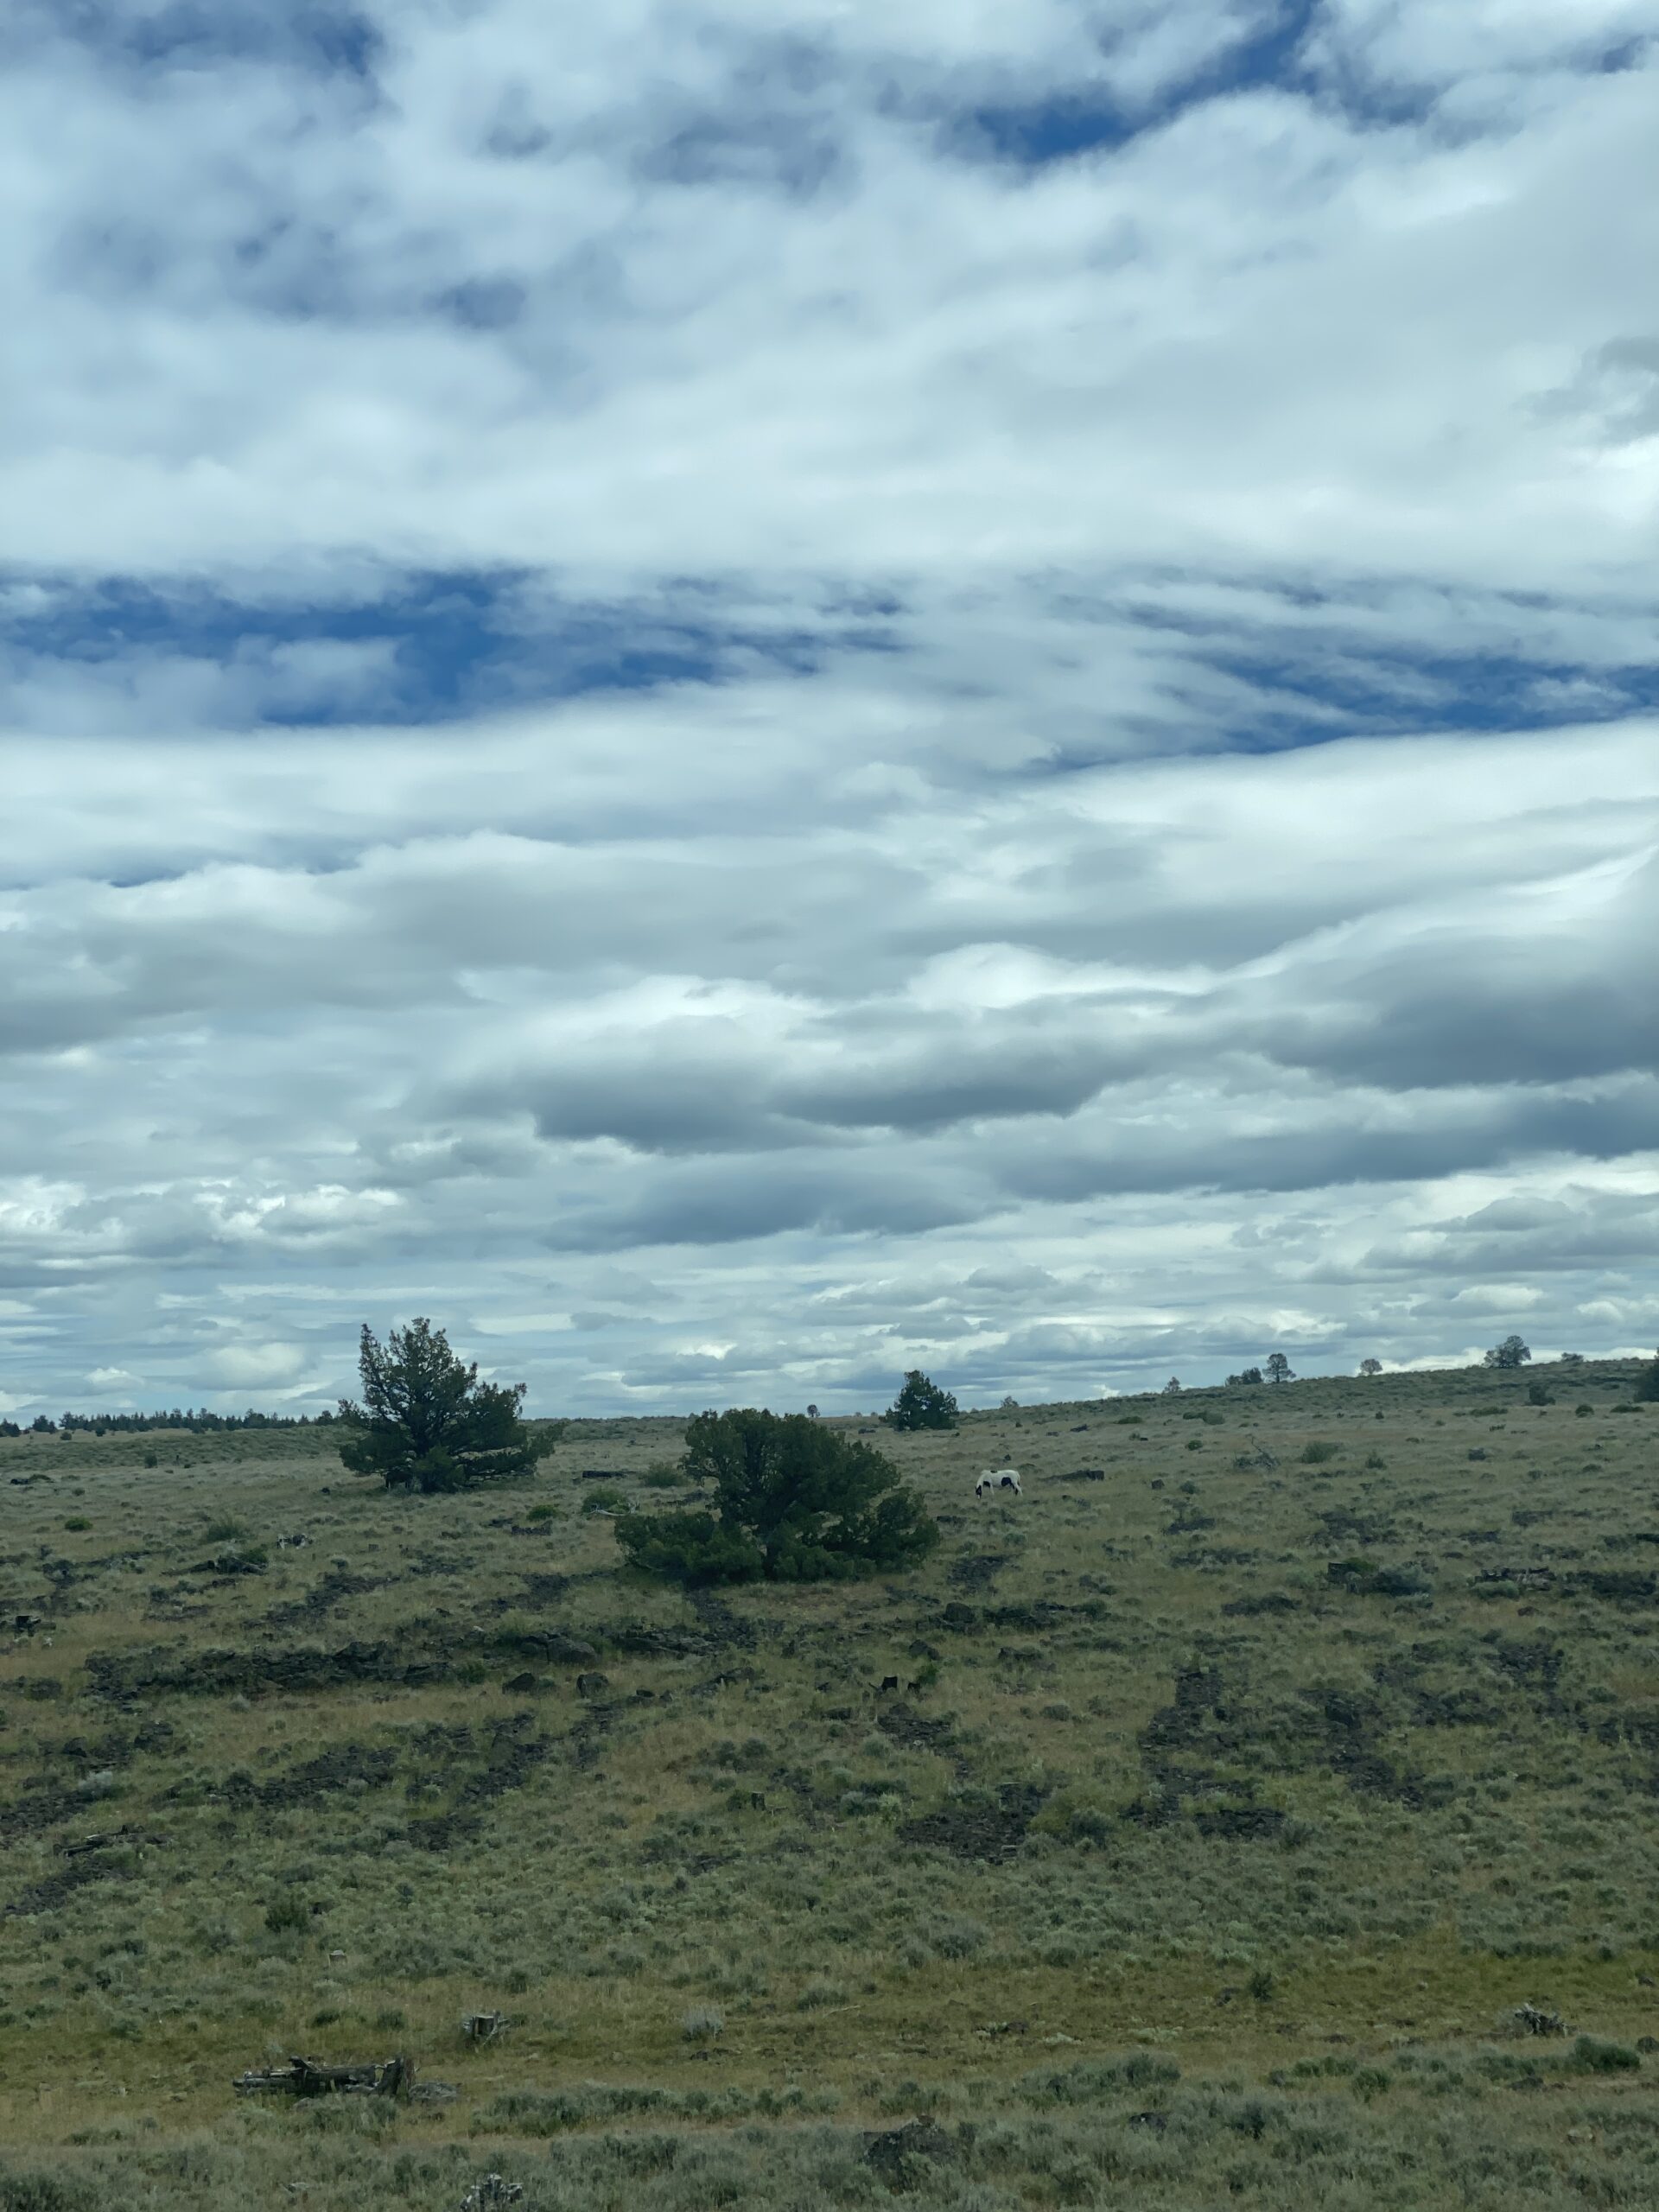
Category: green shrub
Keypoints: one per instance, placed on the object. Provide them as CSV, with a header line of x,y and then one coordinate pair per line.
x,y
288,1915
1363,1578
690,1547
1316,1455
794,1501
1084,1814
1593,2056
604,1499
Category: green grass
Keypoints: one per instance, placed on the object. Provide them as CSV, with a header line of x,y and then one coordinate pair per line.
x,y
1292,1766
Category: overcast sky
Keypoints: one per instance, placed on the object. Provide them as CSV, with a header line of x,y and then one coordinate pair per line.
x,y
742,696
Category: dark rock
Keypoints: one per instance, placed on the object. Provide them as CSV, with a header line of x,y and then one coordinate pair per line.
x,y
901,2156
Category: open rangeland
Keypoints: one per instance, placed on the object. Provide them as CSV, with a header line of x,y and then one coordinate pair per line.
x,y
1241,1779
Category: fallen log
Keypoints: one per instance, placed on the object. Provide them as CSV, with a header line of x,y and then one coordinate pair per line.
x,y
309,2077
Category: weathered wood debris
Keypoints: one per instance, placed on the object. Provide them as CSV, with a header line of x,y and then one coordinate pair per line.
x,y
309,2077
486,2195
1534,2020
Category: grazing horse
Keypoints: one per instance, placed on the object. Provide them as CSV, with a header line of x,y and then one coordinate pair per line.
x,y
992,1478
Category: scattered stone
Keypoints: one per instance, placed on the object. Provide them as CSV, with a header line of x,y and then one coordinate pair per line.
x,y
989,1832
901,2155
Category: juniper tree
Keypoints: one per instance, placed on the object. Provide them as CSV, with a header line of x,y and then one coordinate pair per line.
x,y
794,1501
921,1404
426,1422
1509,1354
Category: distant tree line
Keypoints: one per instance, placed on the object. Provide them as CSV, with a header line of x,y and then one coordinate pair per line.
x,y
199,1422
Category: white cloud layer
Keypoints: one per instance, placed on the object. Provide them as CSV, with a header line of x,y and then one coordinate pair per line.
x,y
969,685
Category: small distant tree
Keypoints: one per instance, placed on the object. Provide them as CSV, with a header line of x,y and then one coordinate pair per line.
x,y
1010,1405
1250,1375
921,1404
1512,1353
1279,1367
1647,1384
426,1422
812,1413
1172,1385
1370,1367
1571,1359
793,1502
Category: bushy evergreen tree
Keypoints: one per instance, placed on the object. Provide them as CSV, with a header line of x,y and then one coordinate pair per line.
x,y
793,1501
921,1404
1510,1353
427,1422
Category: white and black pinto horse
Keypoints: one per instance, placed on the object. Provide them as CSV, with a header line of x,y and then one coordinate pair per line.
x,y
996,1479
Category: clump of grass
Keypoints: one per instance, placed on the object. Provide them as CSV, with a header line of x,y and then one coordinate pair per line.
x,y
1319,1454
702,2023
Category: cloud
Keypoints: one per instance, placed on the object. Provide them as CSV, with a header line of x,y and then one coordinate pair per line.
x,y
963,680
255,1366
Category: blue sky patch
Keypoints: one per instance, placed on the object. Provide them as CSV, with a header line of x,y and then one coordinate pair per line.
x,y
310,35
436,648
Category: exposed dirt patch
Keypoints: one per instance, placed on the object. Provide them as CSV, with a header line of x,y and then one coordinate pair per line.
x,y
343,1766
977,1570
903,1724
334,1590
1251,1823
84,1868
989,1832
36,1810
541,1591
1260,1602
719,1621
1352,1751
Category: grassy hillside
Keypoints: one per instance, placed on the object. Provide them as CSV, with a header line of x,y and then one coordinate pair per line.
x,y
1242,1778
